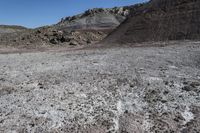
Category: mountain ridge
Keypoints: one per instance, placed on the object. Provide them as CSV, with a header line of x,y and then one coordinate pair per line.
x,y
96,18
11,28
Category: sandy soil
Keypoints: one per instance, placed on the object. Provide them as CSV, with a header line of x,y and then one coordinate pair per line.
x,y
124,90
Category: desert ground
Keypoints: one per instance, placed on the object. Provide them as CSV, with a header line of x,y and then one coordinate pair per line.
x,y
116,89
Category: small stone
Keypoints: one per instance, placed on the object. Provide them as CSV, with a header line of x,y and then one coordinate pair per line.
x,y
165,92
187,88
88,42
163,101
54,41
166,82
185,83
194,84
132,85
73,43
126,112
71,92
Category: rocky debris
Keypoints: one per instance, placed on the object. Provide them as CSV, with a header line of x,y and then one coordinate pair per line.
x,y
6,90
51,36
191,86
160,20
102,90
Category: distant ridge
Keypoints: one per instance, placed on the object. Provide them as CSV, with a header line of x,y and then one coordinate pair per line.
x,y
11,28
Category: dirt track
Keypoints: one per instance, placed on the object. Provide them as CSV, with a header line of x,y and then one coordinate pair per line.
x,y
115,89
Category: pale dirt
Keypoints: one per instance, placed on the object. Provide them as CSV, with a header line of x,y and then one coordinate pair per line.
x,y
125,90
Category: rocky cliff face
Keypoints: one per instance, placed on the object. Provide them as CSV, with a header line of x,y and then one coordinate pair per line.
x,y
98,18
160,20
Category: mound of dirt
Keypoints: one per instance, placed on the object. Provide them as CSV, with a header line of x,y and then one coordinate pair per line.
x,y
160,20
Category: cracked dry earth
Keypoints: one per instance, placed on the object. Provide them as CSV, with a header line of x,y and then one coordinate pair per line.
x,y
123,90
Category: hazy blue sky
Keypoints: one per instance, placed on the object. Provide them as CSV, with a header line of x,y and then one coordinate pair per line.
x,y
34,13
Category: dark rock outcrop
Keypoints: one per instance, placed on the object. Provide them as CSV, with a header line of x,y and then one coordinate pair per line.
x,y
160,20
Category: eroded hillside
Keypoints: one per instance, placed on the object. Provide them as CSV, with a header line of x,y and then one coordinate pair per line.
x,y
160,20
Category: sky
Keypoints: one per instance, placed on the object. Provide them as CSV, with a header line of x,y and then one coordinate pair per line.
x,y
36,13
